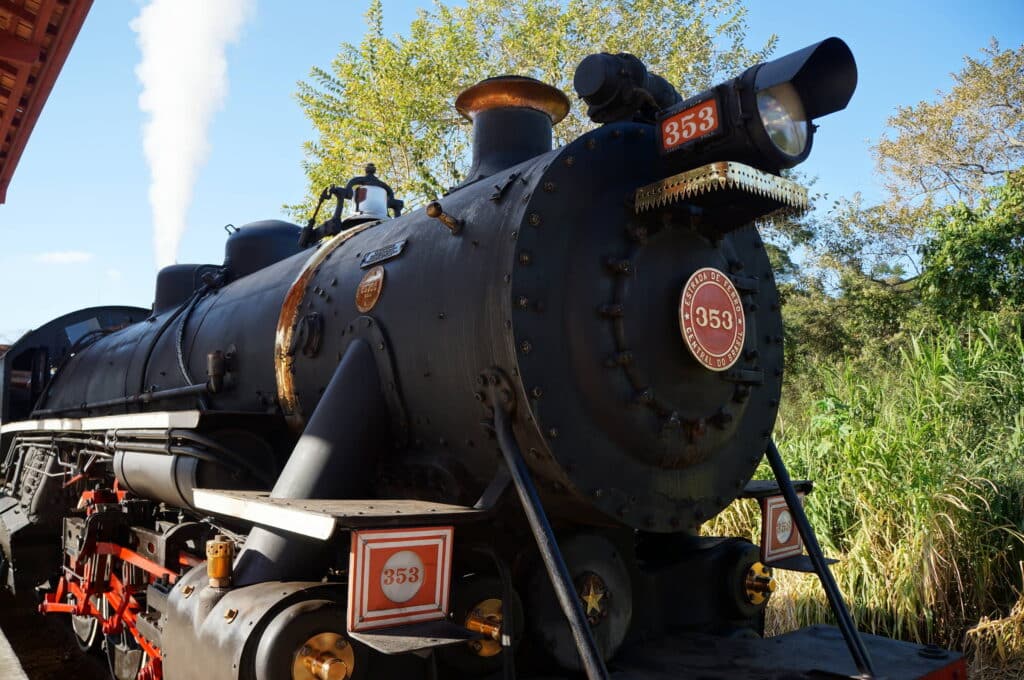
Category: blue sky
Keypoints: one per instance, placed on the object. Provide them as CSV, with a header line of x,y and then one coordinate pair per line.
x,y
76,230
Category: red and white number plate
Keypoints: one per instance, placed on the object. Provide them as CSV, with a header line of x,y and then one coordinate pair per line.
x,y
711,319
399,576
689,124
779,535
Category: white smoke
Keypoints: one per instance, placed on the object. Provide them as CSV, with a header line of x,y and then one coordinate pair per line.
x,y
184,78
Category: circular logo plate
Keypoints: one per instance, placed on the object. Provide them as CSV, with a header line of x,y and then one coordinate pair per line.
x,y
402,576
711,319
369,289
783,527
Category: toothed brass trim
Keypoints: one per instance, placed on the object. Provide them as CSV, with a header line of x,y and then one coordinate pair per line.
x,y
717,177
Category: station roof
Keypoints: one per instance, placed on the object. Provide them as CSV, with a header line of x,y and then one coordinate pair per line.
x,y
35,38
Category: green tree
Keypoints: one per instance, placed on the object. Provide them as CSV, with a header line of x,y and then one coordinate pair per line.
x,y
389,100
975,260
936,154
952,148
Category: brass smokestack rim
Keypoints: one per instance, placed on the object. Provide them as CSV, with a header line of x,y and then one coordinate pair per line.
x,y
513,91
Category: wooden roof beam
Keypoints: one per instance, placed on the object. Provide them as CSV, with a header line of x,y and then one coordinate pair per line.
x,y
16,10
17,50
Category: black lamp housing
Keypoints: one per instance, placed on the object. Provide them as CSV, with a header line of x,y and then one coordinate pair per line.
x,y
824,76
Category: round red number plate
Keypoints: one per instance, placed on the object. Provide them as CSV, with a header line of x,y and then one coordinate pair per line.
x,y
711,319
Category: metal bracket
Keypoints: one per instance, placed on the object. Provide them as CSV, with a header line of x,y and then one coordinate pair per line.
x,y
500,189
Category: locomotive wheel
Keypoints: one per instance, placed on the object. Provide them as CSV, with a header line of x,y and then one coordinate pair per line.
x,y
308,634
605,591
124,656
479,599
87,628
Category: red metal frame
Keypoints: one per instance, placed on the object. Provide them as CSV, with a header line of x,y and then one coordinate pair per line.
x,y
954,671
81,582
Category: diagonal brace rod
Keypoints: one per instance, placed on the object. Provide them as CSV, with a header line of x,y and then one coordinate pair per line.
x,y
828,582
548,546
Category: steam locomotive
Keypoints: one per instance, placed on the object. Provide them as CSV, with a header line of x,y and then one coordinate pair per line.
x,y
473,440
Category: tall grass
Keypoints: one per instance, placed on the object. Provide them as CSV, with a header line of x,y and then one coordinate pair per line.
x,y
918,461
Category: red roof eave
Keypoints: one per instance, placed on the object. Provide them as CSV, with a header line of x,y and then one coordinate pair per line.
x,y
17,58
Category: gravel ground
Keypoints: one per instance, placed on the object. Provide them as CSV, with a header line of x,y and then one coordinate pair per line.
x,y
46,645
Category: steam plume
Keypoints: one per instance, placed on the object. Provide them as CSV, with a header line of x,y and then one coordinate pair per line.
x,y
184,79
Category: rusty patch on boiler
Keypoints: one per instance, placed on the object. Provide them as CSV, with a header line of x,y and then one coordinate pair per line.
x,y
288,321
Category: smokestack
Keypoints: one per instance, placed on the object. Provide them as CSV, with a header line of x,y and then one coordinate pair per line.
x,y
512,121
184,79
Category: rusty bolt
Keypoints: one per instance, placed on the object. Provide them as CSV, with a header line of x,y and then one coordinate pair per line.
x,y
612,311
526,346
620,267
534,219
230,615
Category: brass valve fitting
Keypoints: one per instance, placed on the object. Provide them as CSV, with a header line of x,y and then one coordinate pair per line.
x,y
220,557
759,583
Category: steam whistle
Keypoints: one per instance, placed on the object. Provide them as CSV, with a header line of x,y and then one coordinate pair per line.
x,y
374,200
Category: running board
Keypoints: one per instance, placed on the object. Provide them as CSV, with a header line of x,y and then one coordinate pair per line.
x,y
415,637
801,563
321,519
764,488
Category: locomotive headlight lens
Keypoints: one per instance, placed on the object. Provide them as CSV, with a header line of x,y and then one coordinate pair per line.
x,y
783,117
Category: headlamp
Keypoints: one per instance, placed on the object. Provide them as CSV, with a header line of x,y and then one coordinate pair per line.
x,y
782,115
763,117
